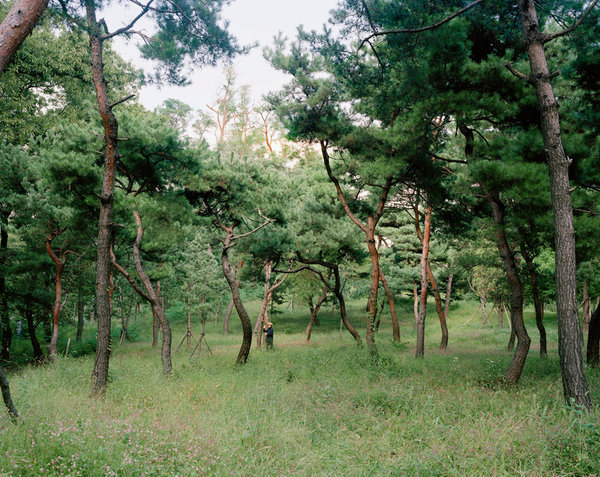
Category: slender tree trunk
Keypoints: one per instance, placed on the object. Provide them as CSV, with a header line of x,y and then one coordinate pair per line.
x,y
448,292
265,303
4,387
416,303
5,327
155,301
237,300
104,267
313,313
372,301
188,333
388,291
593,344
16,27
570,338
60,263
537,303
227,316
420,351
587,306
80,314
484,317
499,312
38,354
516,292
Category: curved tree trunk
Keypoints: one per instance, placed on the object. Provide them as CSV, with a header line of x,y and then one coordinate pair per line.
x,y
237,300
313,313
60,263
103,267
155,302
516,292
570,338
372,301
388,291
448,292
539,309
16,27
4,387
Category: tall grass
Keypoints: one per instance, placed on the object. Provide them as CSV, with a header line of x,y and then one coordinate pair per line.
x,y
321,409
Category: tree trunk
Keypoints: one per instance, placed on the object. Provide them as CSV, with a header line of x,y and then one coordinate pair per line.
x,y
516,291
570,339
448,292
5,327
500,315
188,333
420,351
587,306
227,316
416,303
593,344
511,340
103,267
4,387
537,303
38,354
237,300
80,314
265,303
484,317
16,27
372,301
313,313
155,302
60,263
388,291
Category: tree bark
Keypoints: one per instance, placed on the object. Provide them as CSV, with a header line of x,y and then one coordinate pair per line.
x,y
570,338
448,292
235,296
5,327
313,313
416,303
227,316
38,354
434,287
154,300
420,351
593,344
103,267
60,261
482,300
388,291
537,303
4,387
16,27
265,303
516,291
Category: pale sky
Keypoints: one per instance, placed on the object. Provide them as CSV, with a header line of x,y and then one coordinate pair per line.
x,y
250,21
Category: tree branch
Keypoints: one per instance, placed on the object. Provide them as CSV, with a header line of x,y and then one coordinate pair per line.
x,y
422,29
126,28
264,224
547,38
517,73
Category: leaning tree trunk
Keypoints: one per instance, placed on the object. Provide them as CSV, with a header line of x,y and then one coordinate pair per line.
x,y
103,267
5,328
313,313
570,338
388,291
155,302
237,300
16,27
593,344
420,351
516,292
537,303
4,387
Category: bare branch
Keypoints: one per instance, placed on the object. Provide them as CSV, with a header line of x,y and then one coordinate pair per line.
x,y
121,101
517,73
264,224
580,20
126,28
422,29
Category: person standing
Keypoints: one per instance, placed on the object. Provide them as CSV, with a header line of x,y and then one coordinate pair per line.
x,y
268,330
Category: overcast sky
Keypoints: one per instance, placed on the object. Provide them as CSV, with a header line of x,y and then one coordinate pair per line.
x,y
250,21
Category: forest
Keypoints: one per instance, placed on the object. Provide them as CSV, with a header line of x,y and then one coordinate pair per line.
x,y
423,156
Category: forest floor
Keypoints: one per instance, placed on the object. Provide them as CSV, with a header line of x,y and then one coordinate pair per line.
x,y
324,408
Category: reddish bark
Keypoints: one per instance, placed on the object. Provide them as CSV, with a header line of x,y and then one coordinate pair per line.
x,y
16,27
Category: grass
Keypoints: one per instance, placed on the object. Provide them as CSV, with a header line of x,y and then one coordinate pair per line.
x,y
319,409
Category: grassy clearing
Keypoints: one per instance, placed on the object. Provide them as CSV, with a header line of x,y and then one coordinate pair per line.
x,y
318,409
